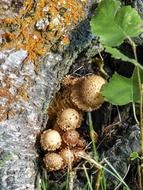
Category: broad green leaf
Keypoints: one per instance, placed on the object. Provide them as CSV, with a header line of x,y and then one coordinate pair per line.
x,y
129,21
113,23
118,90
121,90
118,55
135,90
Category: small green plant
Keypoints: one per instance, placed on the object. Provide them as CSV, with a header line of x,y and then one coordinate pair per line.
x,y
114,24
5,158
134,156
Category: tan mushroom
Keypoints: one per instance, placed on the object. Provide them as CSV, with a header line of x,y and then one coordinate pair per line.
x,y
50,140
53,161
78,154
68,156
69,119
86,95
81,143
71,138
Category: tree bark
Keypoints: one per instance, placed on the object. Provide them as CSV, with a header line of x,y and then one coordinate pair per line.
x,y
26,91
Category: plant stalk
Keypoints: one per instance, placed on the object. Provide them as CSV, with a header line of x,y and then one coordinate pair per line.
x,y
92,136
141,107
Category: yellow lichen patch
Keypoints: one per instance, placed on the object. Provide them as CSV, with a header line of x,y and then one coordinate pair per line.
x,y
42,25
22,93
9,98
3,114
4,93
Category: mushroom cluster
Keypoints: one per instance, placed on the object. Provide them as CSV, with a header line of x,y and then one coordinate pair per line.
x,y
80,93
63,145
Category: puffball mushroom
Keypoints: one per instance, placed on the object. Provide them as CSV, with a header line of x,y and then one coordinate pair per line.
x,y
81,143
53,161
71,138
86,95
78,154
67,155
50,140
69,119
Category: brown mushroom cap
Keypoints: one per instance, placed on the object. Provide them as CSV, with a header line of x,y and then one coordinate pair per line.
x,y
69,80
71,138
81,143
53,161
69,119
78,154
50,140
86,93
67,155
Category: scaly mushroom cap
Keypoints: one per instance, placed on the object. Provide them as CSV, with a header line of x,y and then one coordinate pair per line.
x,y
71,138
69,80
81,143
53,161
67,155
69,119
78,154
86,93
50,140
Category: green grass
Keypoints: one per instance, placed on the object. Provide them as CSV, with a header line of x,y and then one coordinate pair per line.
x,y
91,183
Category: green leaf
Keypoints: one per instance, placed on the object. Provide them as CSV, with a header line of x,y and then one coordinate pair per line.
x,y
118,55
118,90
129,21
135,87
121,90
135,90
113,23
134,156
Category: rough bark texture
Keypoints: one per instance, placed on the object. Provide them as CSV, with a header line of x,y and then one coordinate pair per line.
x,y
33,61
27,89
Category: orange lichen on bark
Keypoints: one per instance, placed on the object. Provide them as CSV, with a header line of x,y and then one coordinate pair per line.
x,y
22,93
42,25
9,99
4,92
7,109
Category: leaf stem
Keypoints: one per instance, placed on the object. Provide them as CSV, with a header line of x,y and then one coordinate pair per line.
x,y
92,136
141,105
134,112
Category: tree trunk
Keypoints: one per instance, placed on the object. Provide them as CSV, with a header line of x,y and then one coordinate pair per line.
x,y
29,78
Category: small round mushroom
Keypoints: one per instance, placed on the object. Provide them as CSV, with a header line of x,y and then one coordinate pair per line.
x,y
71,138
78,153
86,95
69,119
81,143
50,140
68,156
53,161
